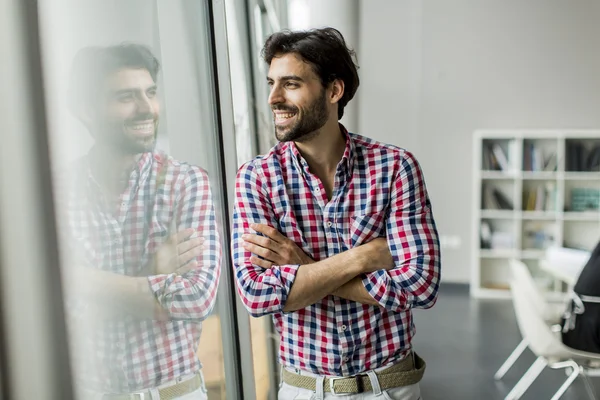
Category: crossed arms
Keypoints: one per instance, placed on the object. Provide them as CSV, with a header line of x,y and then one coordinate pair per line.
x,y
398,272
181,279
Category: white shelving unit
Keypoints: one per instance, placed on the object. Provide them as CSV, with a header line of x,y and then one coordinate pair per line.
x,y
543,162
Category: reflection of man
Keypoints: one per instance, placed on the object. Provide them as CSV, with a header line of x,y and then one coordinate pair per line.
x,y
333,233
144,228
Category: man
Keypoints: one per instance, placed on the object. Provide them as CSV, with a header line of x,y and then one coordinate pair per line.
x,y
144,244
333,233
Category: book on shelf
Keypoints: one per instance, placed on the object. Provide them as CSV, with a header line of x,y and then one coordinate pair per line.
x,y
494,199
495,159
582,159
539,235
535,160
500,157
540,198
495,239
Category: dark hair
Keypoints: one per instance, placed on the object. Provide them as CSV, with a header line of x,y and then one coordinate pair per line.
x,y
94,63
325,50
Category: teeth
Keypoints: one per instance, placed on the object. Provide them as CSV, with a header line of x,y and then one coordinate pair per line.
x,y
284,116
141,127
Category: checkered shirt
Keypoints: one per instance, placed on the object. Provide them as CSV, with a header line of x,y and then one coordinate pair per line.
x,y
127,354
379,191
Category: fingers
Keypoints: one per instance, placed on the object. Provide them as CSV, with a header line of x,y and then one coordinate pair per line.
x,y
260,262
189,245
268,231
190,255
182,235
263,252
261,241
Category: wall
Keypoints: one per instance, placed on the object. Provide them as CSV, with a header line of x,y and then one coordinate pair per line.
x,y
433,72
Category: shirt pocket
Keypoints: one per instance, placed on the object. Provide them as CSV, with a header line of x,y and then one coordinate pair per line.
x,y
364,228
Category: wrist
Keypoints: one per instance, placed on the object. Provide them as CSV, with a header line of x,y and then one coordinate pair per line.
x,y
360,260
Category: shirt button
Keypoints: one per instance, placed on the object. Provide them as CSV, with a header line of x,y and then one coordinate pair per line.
x,y
343,328
329,224
346,359
317,189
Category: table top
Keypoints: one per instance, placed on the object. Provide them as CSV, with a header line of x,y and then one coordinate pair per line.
x,y
564,272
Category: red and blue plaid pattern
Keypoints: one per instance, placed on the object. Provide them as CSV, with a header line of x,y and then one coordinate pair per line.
x,y
120,355
379,191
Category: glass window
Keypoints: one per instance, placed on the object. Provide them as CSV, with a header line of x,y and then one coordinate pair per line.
x,y
135,163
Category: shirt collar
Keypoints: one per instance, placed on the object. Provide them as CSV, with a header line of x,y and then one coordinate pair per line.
x,y
142,168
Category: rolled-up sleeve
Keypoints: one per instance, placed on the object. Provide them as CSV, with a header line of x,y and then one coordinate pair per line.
x,y
191,296
262,291
413,242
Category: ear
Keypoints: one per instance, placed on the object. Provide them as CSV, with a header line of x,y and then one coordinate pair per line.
x,y
84,114
337,91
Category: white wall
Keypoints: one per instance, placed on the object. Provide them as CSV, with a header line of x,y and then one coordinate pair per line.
x,y
433,72
340,14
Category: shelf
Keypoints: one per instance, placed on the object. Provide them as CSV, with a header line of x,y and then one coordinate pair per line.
x,y
532,254
582,216
539,215
535,172
498,175
582,176
539,175
497,214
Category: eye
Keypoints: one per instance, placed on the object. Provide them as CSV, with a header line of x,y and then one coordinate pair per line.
x,y
292,85
151,93
125,97
270,83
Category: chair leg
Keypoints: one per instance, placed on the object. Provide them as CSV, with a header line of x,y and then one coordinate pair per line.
x,y
511,360
567,383
532,373
588,386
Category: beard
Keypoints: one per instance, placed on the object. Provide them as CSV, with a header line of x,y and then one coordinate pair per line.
x,y
122,140
307,123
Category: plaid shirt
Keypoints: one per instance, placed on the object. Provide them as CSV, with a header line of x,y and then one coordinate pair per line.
x,y
378,191
126,354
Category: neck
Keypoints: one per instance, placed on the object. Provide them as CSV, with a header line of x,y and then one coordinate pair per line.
x,y
111,168
324,151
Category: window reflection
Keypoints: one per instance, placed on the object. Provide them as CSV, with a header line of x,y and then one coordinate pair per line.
x,y
142,229
133,140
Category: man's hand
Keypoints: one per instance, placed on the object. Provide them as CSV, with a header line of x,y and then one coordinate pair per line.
x,y
274,248
178,254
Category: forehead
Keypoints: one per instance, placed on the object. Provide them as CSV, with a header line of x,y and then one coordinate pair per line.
x,y
290,64
129,78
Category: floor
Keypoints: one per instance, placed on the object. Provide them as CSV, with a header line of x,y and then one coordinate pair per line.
x,y
464,341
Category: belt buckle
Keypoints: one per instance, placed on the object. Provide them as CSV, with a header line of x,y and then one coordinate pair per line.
x,y
357,378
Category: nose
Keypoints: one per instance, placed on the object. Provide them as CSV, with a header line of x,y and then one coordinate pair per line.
x,y
144,105
276,96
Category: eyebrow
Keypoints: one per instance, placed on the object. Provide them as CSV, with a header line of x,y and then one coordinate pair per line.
x,y
131,90
287,78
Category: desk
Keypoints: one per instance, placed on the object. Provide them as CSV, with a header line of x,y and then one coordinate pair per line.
x,y
564,272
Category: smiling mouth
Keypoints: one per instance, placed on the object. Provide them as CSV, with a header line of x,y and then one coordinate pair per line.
x,y
142,128
284,117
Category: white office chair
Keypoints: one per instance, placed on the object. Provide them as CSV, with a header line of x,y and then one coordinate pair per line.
x,y
544,341
549,311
